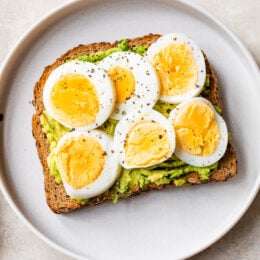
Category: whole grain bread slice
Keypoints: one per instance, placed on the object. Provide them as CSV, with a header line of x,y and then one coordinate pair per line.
x,y
56,196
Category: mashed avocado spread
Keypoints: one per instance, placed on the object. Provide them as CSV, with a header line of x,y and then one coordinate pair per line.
x,y
54,131
122,46
170,171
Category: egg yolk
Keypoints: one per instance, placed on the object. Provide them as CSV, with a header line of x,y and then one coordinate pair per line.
x,y
75,100
124,83
80,161
176,68
196,128
147,143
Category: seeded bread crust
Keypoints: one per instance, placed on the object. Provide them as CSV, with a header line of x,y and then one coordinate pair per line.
x,y
56,196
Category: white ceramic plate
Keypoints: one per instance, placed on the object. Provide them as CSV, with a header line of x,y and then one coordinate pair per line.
x,y
170,224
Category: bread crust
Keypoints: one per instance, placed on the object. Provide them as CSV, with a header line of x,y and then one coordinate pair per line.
x,y
56,196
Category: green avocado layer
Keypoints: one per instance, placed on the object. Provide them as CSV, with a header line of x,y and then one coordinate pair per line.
x,y
100,55
54,131
171,171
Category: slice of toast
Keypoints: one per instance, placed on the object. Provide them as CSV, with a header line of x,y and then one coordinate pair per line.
x,y
56,196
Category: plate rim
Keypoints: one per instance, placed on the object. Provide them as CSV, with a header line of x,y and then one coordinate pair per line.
x,y
58,12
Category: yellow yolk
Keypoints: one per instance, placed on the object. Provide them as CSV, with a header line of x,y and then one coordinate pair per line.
x,y
124,82
75,100
177,69
147,143
196,128
80,160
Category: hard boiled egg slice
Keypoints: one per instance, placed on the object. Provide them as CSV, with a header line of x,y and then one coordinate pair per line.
x,y
201,133
135,82
87,163
144,139
180,66
79,94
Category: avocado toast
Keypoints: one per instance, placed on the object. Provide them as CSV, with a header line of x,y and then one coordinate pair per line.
x,y
172,172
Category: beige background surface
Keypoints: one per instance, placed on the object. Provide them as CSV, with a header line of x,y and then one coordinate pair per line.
x,y
242,242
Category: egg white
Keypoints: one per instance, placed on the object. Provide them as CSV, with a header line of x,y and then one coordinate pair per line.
x,y
97,76
198,160
110,171
124,126
147,87
168,39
